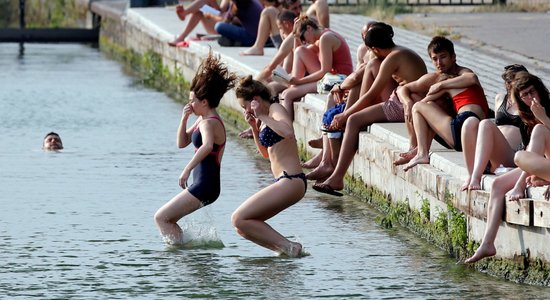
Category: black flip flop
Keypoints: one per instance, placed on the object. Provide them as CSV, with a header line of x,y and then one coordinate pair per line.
x,y
328,130
327,190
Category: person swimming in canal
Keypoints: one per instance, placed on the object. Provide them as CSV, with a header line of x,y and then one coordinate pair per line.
x,y
52,142
274,137
208,135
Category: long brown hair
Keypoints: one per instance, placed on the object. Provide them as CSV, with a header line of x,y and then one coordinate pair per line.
x,y
212,80
523,81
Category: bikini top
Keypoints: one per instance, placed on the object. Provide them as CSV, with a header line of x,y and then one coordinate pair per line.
x,y
503,117
268,137
196,138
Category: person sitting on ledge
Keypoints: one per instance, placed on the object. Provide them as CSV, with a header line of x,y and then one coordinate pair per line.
x,y
283,57
399,64
267,28
428,117
247,12
533,102
443,57
326,51
341,96
52,142
208,20
497,141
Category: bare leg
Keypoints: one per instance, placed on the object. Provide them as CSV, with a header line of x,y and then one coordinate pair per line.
x,y
533,161
266,27
405,157
193,21
168,215
426,116
490,145
325,167
500,186
295,93
249,218
316,143
469,140
354,125
314,161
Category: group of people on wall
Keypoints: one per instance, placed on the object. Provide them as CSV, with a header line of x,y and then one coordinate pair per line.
x,y
390,83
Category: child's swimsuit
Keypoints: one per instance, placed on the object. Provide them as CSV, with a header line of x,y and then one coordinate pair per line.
x,y
206,175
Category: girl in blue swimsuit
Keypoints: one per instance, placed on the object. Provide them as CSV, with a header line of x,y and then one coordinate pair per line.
x,y
274,136
208,136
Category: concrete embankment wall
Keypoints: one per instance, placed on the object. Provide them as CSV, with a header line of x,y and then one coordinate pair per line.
x,y
427,198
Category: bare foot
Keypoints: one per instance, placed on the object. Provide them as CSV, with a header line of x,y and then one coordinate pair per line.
x,y
515,194
405,157
334,184
180,11
465,184
295,250
415,161
246,134
323,171
313,162
474,186
533,180
252,51
482,252
316,143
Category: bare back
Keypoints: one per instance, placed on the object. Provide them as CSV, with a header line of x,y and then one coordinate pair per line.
x,y
405,65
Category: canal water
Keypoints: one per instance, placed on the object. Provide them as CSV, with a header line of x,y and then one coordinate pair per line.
x,y
79,223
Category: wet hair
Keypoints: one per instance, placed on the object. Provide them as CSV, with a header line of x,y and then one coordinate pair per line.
x,y
286,15
380,35
248,88
212,80
439,44
523,81
303,22
52,133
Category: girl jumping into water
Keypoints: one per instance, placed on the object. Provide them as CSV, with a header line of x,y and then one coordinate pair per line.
x,y
274,136
208,136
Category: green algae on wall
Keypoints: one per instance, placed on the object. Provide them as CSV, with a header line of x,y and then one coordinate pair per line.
x,y
149,70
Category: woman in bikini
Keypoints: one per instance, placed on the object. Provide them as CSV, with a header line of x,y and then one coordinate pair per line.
x,y
274,136
208,136
533,102
429,117
497,141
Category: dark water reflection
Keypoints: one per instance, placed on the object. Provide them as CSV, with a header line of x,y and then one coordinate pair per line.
x,y
79,223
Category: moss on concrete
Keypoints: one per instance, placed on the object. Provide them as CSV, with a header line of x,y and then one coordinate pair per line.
x,y
149,70
449,232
